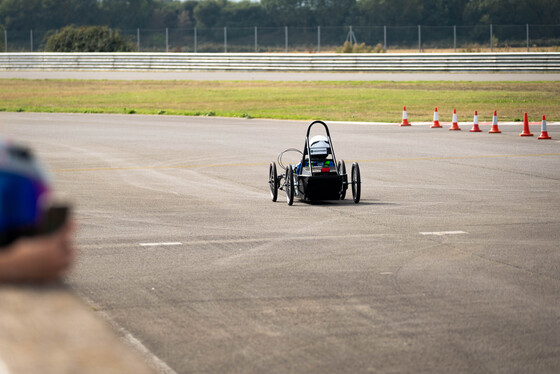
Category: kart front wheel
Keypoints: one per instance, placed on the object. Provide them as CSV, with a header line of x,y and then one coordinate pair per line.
x,y
289,185
273,181
356,182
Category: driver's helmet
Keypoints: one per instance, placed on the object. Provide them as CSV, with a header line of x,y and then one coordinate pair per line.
x,y
319,147
23,190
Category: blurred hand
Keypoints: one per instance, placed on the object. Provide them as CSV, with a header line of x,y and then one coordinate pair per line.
x,y
39,259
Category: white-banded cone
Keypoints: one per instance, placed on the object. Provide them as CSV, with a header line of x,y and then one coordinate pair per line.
x,y
544,132
454,125
494,129
404,118
436,119
475,127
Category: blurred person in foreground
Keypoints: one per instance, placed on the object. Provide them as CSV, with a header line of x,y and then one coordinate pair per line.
x,y
36,238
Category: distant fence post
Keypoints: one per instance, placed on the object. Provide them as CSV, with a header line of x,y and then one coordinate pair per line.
x,y
286,36
491,39
195,41
138,39
166,40
6,41
225,39
385,38
318,39
256,36
527,37
31,40
455,38
419,39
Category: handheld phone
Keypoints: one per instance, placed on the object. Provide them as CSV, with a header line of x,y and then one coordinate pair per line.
x,y
54,218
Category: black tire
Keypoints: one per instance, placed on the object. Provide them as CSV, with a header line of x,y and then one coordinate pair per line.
x,y
273,181
342,171
290,185
356,182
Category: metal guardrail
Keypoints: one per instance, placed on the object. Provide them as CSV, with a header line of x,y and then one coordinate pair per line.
x,y
452,62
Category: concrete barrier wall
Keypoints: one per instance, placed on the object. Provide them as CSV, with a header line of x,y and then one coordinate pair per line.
x,y
453,62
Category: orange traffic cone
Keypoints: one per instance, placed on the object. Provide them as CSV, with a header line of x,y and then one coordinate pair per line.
x,y
526,131
544,133
436,120
475,127
494,129
404,118
454,125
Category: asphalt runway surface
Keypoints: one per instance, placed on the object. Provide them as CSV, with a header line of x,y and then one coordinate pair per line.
x,y
449,264
279,76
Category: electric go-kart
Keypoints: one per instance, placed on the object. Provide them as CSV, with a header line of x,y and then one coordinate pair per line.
x,y
318,177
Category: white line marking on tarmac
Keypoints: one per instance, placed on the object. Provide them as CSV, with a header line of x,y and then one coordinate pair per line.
x,y
152,360
160,365
159,244
441,233
235,241
257,240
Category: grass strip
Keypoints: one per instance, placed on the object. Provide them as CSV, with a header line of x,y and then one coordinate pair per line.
x,y
335,101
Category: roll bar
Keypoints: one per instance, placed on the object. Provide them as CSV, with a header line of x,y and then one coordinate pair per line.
x,y
307,147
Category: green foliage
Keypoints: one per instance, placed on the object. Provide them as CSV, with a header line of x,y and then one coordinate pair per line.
x,y
394,12
495,41
87,39
512,12
208,13
348,47
128,14
334,12
43,15
288,12
472,48
378,48
243,13
47,14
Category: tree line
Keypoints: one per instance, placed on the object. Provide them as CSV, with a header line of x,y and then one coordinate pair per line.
x,y
175,14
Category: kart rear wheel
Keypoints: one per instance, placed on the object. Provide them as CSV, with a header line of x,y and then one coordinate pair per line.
x,y
273,181
342,171
289,185
356,182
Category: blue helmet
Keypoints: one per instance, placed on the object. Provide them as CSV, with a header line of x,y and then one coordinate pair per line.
x,y
23,189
